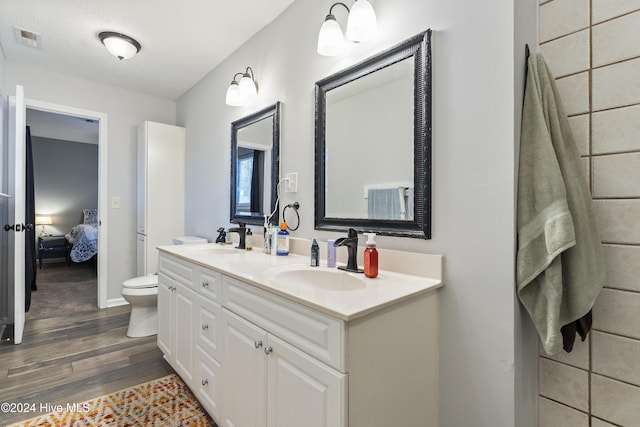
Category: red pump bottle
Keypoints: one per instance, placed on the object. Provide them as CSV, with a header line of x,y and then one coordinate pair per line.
x,y
371,257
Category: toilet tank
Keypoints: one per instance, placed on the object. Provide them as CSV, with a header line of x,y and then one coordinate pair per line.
x,y
189,240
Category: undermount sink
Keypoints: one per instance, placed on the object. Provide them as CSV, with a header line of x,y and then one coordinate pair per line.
x,y
318,278
212,249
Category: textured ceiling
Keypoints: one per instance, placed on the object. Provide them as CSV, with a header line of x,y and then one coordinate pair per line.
x,y
181,40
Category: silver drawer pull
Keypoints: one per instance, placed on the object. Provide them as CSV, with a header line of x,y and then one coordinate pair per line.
x,y
258,343
268,349
205,382
205,327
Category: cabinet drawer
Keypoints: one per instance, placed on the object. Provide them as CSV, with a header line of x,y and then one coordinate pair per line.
x,y
176,269
209,284
315,333
208,383
209,326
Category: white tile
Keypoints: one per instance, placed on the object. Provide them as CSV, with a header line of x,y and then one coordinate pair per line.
x,y
616,357
616,85
616,40
618,220
615,402
580,128
623,266
616,175
561,17
553,414
617,312
607,9
564,384
616,130
599,423
579,356
574,92
568,54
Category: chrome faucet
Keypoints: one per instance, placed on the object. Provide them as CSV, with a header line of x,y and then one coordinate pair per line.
x,y
351,242
241,229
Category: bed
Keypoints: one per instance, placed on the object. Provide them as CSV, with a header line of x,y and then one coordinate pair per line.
x,y
83,238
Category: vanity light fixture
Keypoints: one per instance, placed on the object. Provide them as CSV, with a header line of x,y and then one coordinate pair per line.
x,y
240,93
362,25
119,45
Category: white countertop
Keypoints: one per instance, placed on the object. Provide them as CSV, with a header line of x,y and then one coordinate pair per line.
x,y
261,270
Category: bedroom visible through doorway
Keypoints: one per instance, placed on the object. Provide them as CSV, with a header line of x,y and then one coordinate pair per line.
x,y
70,235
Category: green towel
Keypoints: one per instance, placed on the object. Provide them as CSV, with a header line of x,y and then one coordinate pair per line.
x,y
560,263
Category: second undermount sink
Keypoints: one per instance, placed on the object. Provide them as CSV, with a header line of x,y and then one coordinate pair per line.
x,y
212,249
318,278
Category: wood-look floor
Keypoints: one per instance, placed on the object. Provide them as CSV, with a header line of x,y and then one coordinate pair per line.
x,y
76,357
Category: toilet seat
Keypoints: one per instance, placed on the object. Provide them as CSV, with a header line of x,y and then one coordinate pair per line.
x,y
150,281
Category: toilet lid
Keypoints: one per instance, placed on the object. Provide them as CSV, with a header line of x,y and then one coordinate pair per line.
x,y
149,281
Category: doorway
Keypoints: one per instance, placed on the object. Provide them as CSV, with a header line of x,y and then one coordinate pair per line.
x,y
76,124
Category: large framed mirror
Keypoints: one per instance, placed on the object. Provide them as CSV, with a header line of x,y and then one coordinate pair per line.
x,y
255,164
373,144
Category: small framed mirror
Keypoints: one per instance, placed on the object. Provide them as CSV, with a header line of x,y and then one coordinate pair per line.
x,y
255,164
373,144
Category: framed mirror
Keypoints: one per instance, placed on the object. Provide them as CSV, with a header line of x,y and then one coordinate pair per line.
x,y
373,144
255,164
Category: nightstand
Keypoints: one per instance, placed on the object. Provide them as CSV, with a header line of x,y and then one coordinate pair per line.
x,y
52,247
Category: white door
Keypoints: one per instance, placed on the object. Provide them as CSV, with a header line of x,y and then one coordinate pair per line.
x,y
16,217
303,391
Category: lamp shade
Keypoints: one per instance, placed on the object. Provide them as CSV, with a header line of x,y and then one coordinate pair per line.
x,y
119,45
362,24
330,39
43,220
234,98
248,89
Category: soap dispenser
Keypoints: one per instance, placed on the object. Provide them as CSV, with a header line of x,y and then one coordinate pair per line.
x,y
371,256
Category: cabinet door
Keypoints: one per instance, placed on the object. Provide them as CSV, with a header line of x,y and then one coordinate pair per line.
x,y
185,332
244,372
165,316
303,391
208,383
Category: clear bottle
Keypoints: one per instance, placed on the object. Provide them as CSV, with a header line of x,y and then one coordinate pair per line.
x,y
274,239
371,257
283,240
248,243
315,254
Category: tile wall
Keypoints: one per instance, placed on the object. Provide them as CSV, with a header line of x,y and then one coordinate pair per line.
x,y
593,49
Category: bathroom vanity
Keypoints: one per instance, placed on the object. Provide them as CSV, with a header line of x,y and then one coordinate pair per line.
x,y
268,341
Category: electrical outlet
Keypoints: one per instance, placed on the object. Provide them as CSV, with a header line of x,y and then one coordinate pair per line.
x,y
291,182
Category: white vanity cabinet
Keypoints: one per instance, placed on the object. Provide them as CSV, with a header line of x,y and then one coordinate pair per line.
x,y
262,359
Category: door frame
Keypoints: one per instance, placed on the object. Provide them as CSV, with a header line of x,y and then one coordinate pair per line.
x,y
102,182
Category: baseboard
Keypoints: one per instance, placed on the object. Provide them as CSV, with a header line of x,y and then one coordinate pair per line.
x,y
116,302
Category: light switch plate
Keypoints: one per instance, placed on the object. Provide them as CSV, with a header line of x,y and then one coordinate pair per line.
x,y
291,182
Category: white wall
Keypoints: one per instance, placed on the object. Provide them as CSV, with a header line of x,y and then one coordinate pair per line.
x,y
125,110
475,111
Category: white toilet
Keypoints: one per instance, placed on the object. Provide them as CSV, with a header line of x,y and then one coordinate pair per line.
x,y
142,294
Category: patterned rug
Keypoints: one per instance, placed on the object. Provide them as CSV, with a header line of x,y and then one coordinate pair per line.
x,y
163,402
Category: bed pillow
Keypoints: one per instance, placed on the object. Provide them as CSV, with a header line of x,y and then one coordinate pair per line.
x,y
90,216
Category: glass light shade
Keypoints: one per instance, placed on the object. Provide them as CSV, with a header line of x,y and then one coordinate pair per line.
x,y
234,98
330,38
120,47
362,24
248,89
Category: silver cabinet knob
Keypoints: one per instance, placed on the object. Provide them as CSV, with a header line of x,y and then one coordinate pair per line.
x,y
258,343
205,382
268,349
205,327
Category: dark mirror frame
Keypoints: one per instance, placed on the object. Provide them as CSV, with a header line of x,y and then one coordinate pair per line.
x,y
418,47
256,218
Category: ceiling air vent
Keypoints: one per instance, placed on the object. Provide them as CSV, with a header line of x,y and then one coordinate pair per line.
x,y
27,38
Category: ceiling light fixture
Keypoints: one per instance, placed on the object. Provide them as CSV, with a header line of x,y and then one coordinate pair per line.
x,y
362,25
120,45
240,93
